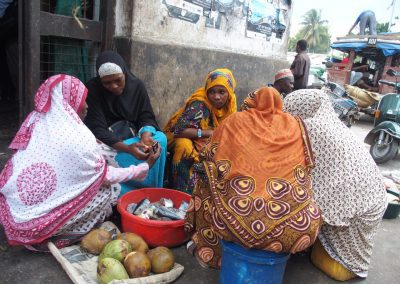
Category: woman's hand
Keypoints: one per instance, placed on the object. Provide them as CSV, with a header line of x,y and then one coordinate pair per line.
x,y
152,158
139,151
147,139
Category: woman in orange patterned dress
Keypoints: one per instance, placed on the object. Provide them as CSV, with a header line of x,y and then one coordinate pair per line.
x,y
253,185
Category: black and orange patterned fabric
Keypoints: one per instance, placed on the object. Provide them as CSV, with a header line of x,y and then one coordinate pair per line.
x,y
253,185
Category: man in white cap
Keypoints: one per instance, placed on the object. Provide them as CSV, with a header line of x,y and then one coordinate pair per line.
x,y
284,82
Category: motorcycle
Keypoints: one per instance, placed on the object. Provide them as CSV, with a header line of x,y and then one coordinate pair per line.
x,y
385,137
344,106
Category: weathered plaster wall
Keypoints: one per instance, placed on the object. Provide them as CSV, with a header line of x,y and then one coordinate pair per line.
x,y
171,73
123,17
150,21
172,56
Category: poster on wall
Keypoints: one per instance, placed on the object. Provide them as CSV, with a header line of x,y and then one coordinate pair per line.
x,y
205,4
240,9
265,20
213,20
219,8
183,10
282,18
223,8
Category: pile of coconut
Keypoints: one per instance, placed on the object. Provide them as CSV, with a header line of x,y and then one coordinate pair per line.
x,y
128,256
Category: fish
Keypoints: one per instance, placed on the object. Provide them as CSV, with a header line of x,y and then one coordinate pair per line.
x,y
131,207
141,206
162,210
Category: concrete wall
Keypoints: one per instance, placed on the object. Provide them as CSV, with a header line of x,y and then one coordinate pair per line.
x,y
151,21
171,73
173,56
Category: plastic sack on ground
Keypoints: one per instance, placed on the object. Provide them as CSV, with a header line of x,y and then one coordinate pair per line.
x,y
362,97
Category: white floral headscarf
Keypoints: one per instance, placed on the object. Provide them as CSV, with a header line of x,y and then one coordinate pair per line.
x,y
56,168
346,180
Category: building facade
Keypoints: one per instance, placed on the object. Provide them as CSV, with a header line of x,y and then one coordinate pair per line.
x,y
172,44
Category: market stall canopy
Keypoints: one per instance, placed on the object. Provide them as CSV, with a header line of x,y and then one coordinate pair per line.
x,y
388,44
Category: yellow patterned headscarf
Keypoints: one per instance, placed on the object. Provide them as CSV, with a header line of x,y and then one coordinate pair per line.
x,y
221,77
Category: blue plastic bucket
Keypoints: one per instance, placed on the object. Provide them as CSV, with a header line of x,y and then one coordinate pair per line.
x,y
240,265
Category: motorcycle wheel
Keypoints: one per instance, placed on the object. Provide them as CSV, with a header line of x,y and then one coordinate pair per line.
x,y
384,153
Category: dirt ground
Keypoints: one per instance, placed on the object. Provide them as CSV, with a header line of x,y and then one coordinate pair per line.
x,y
19,265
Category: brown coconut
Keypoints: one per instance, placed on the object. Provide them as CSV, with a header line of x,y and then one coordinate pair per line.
x,y
137,264
162,259
136,241
95,241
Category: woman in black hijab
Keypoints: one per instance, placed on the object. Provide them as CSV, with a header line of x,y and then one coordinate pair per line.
x,y
118,102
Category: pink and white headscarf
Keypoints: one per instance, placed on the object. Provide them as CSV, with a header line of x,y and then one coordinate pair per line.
x,y
56,168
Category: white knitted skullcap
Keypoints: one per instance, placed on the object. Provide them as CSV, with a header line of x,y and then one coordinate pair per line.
x,y
109,68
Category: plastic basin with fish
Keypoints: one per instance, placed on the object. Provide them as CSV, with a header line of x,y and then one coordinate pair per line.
x,y
155,233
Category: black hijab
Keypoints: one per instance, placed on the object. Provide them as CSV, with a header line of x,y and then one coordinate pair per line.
x,y
105,108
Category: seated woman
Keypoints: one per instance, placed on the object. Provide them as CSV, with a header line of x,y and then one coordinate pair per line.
x,y
348,188
117,97
190,127
253,185
57,186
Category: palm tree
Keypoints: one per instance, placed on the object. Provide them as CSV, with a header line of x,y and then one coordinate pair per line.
x,y
314,28
382,27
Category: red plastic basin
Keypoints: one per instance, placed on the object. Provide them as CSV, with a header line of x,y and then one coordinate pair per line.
x,y
155,233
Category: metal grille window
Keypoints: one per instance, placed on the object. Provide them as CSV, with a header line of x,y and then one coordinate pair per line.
x,y
87,9
68,56
60,36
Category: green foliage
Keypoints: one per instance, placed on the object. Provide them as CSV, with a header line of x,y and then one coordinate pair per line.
x,y
293,41
315,31
382,27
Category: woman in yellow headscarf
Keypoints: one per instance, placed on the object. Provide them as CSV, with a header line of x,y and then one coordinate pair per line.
x,y
190,127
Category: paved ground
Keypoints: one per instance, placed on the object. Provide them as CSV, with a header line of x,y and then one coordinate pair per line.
x,y
21,266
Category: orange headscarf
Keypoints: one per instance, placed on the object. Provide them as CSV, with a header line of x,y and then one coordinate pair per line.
x,y
265,139
257,163
222,77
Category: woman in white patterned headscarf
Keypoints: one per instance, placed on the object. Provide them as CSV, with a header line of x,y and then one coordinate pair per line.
x,y
56,186
348,187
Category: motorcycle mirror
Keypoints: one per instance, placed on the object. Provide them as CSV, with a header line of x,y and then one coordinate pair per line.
x,y
391,72
328,64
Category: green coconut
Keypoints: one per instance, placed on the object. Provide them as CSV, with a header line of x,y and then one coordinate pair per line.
x,y
116,249
110,269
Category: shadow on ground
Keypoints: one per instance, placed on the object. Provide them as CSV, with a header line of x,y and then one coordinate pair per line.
x,y
18,265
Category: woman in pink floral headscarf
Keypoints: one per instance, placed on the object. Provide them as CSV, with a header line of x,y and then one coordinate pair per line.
x,y
57,185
